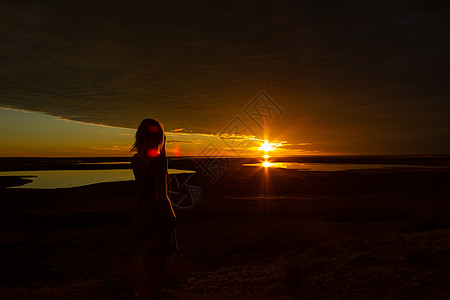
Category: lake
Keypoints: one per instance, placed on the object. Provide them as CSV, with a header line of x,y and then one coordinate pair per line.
x,y
50,173
72,178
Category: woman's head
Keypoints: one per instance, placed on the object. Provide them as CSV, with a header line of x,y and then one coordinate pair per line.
x,y
149,138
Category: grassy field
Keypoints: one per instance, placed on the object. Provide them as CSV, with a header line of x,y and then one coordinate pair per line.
x,y
295,235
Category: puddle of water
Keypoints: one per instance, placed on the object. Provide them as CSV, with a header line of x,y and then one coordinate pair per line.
x,y
327,166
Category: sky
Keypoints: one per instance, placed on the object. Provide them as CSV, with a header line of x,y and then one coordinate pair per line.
x,y
314,77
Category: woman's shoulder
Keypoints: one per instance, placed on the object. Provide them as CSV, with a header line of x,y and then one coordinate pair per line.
x,y
159,164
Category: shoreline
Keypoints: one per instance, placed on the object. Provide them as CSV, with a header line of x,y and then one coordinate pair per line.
x,y
12,181
191,164
103,163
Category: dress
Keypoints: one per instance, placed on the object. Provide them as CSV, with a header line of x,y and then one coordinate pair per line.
x,y
152,236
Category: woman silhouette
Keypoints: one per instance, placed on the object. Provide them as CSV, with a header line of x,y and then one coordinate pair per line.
x,y
155,221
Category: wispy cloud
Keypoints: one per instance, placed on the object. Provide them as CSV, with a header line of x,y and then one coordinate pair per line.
x,y
298,146
112,148
181,142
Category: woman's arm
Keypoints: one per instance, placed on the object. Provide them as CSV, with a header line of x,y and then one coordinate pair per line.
x,y
161,191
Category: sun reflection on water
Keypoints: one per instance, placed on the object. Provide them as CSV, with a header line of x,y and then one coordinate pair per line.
x,y
267,164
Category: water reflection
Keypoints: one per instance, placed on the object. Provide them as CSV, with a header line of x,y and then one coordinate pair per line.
x,y
324,166
72,178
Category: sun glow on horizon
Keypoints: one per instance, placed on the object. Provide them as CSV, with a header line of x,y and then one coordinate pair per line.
x,y
266,147
34,134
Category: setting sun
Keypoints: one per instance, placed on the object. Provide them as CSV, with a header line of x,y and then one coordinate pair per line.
x,y
267,146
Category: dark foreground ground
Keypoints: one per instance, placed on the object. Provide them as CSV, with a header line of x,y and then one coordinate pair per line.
x,y
256,234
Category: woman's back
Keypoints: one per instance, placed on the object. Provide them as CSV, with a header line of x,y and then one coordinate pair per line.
x,y
150,223
145,172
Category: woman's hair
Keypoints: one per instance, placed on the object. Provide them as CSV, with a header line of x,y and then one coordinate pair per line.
x,y
149,137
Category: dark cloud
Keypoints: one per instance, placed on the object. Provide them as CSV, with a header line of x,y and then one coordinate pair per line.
x,y
351,77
